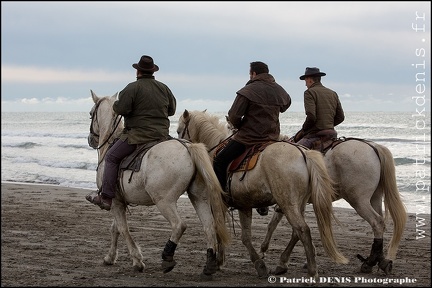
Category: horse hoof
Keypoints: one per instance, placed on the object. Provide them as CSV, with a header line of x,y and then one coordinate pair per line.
x,y
139,268
107,261
365,268
211,268
206,277
261,268
167,266
386,266
280,270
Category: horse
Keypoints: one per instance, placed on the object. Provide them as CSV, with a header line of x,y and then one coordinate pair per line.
x,y
284,174
167,170
364,172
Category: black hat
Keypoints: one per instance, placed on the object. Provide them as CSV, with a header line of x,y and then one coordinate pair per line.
x,y
146,64
312,71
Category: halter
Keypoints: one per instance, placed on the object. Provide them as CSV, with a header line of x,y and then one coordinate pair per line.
x,y
93,117
186,130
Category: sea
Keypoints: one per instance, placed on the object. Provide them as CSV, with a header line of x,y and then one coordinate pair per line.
x,y
51,148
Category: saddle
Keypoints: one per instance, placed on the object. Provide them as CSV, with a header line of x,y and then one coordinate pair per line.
x,y
326,144
133,161
247,160
326,141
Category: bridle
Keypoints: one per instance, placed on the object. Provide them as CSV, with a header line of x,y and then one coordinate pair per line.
x,y
93,117
186,131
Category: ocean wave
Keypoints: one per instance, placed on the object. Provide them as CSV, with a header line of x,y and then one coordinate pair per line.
x,y
23,145
79,135
80,165
76,146
69,165
410,161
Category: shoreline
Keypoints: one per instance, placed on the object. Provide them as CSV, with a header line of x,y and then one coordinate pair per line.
x,y
339,204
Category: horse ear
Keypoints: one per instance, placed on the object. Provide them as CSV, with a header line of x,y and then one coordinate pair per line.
x,y
186,114
95,98
204,110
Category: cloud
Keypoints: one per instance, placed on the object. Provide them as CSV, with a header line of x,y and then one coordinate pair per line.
x,y
33,74
53,53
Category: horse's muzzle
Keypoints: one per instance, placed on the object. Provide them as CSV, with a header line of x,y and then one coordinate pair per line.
x,y
93,141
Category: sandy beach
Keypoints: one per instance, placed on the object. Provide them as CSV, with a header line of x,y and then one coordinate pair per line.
x,y
51,236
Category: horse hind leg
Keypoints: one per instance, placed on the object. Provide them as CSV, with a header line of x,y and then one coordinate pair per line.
x,y
373,215
169,211
214,260
301,231
282,267
271,227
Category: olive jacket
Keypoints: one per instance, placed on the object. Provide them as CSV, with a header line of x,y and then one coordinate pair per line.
x,y
145,105
323,109
255,110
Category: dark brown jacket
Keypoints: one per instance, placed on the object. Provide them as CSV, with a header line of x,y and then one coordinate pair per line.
x,y
323,109
145,105
256,108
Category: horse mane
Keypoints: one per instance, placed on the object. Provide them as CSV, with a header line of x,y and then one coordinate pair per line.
x,y
207,128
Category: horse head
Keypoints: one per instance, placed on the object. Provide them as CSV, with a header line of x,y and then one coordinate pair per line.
x,y
200,126
103,121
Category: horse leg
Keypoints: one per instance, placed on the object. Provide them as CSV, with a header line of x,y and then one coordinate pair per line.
x,y
271,227
302,231
120,226
111,257
385,264
169,211
205,215
373,215
246,222
282,267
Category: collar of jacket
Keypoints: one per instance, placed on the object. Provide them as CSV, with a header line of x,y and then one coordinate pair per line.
x,y
266,77
145,76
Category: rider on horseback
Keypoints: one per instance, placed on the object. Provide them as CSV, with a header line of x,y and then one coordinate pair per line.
x,y
145,105
255,114
323,110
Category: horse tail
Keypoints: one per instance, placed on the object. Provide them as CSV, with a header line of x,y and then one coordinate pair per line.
x,y
392,199
201,159
322,195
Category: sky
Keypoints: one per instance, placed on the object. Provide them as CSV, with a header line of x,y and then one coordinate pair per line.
x,y
376,54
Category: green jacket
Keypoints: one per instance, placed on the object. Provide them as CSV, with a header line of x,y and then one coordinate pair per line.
x,y
145,105
323,109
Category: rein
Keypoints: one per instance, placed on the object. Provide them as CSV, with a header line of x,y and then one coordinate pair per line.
x,y
115,124
186,131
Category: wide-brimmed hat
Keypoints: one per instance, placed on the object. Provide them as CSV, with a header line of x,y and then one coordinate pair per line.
x,y
146,64
312,71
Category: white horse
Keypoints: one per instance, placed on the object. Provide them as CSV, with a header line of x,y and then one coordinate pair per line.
x,y
167,170
284,174
365,174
